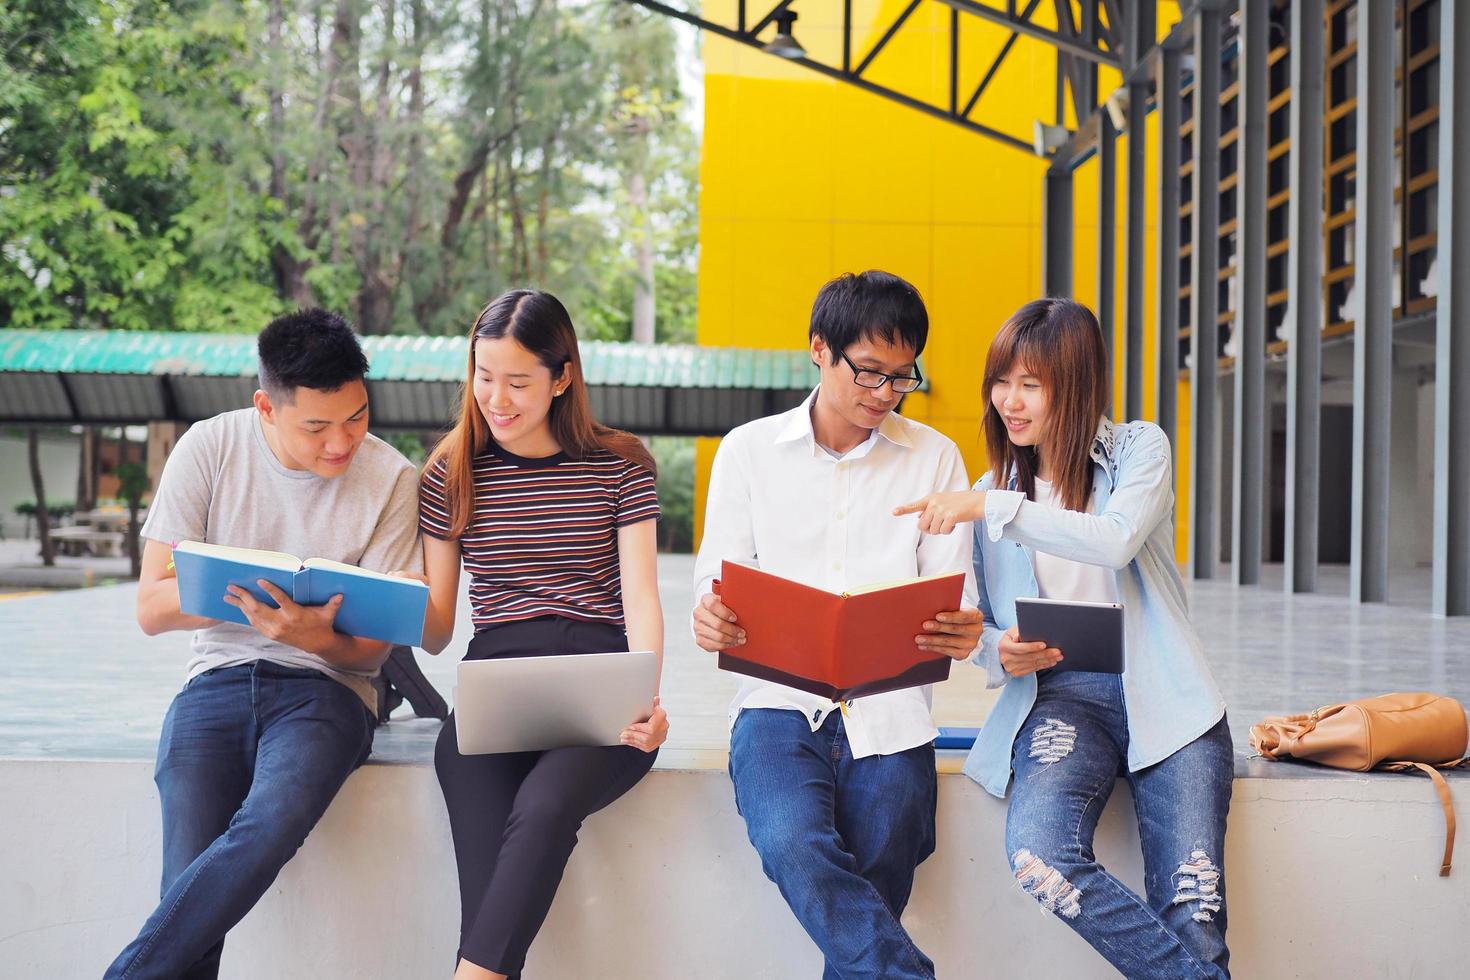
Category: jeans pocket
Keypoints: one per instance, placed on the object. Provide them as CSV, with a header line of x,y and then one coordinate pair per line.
x,y
201,675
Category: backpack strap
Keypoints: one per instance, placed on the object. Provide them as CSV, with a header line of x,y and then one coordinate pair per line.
x,y
404,679
1443,789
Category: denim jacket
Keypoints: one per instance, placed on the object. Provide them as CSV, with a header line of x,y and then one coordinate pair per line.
x,y
1169,692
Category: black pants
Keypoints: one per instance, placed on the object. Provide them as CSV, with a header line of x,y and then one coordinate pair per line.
x,y
514,816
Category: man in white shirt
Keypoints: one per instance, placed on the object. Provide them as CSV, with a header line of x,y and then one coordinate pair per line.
x,y
839,799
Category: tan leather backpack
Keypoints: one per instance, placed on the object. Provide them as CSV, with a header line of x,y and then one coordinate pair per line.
x,y
1393,732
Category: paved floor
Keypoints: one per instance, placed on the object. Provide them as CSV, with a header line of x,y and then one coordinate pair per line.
x,y
79,680
21,569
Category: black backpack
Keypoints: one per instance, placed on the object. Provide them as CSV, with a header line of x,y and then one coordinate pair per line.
x,y
401,680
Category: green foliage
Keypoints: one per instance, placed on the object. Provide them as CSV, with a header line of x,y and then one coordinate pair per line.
x,y
647,137
58,511
675,459
117,119
207,164
133,482
410,444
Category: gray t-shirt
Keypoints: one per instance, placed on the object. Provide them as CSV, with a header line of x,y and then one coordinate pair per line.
x,y
223,484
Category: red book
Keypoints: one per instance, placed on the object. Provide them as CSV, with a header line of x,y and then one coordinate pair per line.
x,y
837,646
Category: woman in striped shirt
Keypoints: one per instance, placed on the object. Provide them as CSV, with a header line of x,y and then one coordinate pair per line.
x,y
553,516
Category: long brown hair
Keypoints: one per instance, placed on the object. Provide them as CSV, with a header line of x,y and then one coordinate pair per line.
x,y
539,323
1059,342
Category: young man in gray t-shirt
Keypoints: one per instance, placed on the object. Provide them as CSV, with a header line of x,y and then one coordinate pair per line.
x,y
275,715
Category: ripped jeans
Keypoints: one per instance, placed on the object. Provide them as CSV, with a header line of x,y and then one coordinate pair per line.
x,y
1066,759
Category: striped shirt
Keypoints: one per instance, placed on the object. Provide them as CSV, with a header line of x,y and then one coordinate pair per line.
x,y
543,537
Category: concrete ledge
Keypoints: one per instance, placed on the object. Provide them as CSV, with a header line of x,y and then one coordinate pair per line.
x,y
1327,878
41,577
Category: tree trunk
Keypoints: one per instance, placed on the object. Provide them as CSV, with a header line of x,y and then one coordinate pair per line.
x,y
275,15
520,262
94,479
494,254
135,549
43,516
643,308
289,270
330,67
374,304
416,124
86,470
543,204
373,246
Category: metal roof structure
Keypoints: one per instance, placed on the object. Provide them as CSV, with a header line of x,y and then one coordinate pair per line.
x,y
1099,36
119,377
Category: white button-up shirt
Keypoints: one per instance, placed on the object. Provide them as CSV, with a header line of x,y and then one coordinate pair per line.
x,y
779,500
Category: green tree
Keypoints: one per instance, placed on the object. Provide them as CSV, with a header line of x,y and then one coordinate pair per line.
x,y
115,117
132,484
206,164
675,459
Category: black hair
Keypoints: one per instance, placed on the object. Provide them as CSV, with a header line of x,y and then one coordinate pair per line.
x,y
308,349
866,306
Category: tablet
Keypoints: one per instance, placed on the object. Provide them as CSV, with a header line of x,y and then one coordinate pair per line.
x,y
529,704
1089,634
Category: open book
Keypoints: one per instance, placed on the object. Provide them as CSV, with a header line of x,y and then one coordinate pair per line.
x,y
374,605
838,646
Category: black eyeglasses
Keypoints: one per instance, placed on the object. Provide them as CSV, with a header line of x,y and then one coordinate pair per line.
x,y
902,383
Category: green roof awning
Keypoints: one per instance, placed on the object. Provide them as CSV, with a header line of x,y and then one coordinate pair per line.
x,y
395,359
114,377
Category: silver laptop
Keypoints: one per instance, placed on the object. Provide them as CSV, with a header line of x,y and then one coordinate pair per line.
x,y
527,704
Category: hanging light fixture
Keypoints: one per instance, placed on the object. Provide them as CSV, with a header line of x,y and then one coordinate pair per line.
x,y
784,45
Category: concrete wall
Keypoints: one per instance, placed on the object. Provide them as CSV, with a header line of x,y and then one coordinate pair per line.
x,y
1329,876
60,459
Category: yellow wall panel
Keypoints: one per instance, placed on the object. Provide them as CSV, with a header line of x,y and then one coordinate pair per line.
x,y
777,268
782,133
718,197
982,275
902,249
704,459
879,160
716,283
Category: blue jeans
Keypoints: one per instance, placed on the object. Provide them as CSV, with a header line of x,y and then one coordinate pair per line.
x,y
839,836
1066,759
248,760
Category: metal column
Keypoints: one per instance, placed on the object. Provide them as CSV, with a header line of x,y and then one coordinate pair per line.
x,y
1452,361
1373,283
1135,252
1249,470
1204,307
1056,230
1140,28
1167,376
1087,70
1304,288
1107,233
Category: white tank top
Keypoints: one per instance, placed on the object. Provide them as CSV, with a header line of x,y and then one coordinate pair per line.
x,y
1062,578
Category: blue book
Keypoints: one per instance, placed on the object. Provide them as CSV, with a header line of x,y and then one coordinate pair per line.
x,y
374,605
956,738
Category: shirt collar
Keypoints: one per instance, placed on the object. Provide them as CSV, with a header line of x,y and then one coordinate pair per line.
x,y
1104,444
1105,441
798,425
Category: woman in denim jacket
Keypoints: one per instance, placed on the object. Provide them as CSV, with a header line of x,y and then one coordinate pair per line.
x,y
1086,514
